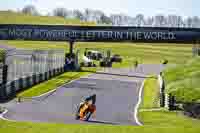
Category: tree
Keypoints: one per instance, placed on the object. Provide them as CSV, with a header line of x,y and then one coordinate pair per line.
x,y
30,9
97,16
78,14
159,21
195,21
113,18
139,20
87,14
149,22
180,22
127,20
48,14
117,19
105,19
172,21
60,12
188,22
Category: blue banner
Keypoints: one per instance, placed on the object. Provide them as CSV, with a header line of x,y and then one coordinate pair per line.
x,y
98,33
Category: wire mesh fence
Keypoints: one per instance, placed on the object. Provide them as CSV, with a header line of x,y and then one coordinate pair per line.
x,y
1,73
21,68
2,60
23,63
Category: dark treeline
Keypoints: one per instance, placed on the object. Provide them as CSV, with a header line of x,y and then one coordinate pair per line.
x,y
100,17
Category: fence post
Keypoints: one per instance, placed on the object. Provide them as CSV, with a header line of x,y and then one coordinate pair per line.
x,y
5,74
3,94
50,74
21,85
40,77
37,78
34,79
12,87
46,76
28,82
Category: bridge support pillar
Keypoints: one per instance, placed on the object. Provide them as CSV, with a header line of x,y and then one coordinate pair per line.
x,y
70,56
71,47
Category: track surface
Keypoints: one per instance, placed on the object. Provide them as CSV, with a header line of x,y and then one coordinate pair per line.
x,y
116,98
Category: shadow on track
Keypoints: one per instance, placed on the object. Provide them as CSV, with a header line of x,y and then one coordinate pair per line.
x,y
102,122
125,75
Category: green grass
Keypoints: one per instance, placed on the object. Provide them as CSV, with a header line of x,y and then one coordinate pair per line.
x,y
150,94
10,127
183,81
163,120
8,17
144,53
166,119
154,122
51,84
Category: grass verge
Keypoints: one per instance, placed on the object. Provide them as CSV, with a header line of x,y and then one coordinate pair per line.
x,y
183,81
150,94
163,119
51,84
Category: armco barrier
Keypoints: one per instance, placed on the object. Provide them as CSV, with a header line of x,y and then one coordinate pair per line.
x,y
58,71
17,88
28,82
54,72
34,79
37,78
40,77
62,69
20,83
11,88
24,83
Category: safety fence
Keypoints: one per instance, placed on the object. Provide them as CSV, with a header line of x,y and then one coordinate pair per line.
x,y
21,69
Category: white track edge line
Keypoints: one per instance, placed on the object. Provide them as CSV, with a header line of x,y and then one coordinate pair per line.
x,y
3,118
57,88
6,111
138,104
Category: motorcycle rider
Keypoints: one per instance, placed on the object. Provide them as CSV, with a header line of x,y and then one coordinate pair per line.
x,y
88,106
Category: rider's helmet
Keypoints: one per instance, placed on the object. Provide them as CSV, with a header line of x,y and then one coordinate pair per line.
x,y
91,98
94,95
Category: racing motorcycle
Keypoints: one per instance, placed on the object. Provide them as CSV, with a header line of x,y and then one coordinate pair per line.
x,y
86,108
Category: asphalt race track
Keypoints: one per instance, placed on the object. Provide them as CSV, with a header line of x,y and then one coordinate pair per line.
x,y
117,96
